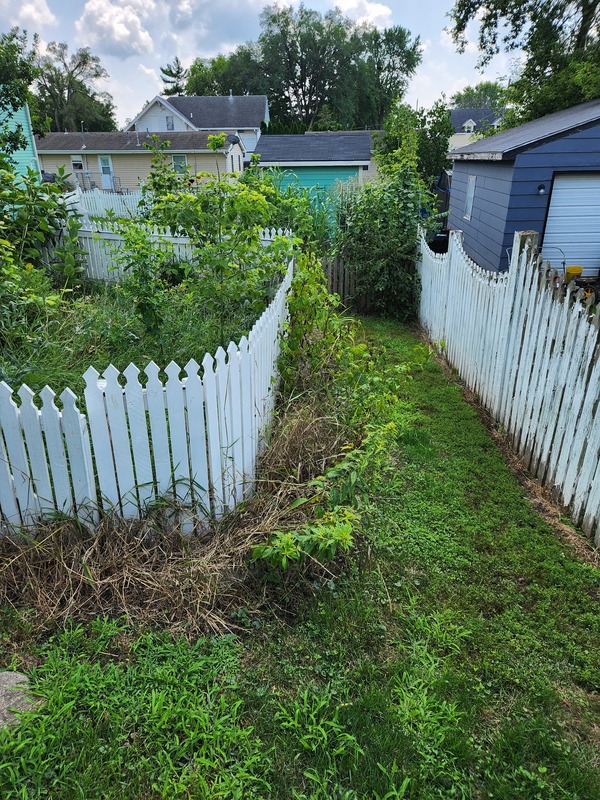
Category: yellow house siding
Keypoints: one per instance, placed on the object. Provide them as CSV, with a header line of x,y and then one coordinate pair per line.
x,y
130,169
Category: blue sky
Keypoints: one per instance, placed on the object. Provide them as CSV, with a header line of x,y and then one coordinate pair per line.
x,y
134,38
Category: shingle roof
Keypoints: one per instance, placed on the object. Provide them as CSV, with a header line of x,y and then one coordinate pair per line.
x,y
237,111
295,148
480,116
120,141
507,144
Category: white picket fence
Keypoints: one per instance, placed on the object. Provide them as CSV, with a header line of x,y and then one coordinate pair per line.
x,y
97,203
194,439
526,343
100,245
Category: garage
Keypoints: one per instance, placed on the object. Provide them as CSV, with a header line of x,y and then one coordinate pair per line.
x,y
572,232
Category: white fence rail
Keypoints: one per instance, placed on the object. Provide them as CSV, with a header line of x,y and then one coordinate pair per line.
x,y
526,343
97,203
194,439
100,246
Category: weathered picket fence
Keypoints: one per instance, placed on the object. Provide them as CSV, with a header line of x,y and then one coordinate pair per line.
x,y
97,203
192,439
100,246
527,344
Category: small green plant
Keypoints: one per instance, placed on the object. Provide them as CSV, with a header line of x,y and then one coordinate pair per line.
x,y
321,541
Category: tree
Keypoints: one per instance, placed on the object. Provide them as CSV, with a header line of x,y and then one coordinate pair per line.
x,y
305,57
17,73
431,130
174,77
66,93
560,41
486,94
388,59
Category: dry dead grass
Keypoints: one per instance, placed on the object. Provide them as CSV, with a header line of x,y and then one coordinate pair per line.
x,y
149,571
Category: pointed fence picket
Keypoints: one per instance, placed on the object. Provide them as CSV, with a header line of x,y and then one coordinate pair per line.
x,y
528,344
192,437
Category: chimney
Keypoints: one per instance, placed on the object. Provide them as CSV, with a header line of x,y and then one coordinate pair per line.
x,y
231,93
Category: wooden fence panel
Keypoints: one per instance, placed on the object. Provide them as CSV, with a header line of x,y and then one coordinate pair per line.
x,y
526,344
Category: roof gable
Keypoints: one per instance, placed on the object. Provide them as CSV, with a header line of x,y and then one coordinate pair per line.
x,y
158,100
481,117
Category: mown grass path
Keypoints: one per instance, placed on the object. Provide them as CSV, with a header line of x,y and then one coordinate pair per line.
x,y
457,657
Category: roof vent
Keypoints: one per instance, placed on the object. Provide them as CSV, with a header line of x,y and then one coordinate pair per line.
x,y
231,93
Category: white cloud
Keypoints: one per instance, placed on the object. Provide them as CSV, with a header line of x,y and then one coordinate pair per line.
x,y
30,15
376,14
116,30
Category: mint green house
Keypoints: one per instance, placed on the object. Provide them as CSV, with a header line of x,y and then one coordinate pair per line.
x,y
28,157
319,160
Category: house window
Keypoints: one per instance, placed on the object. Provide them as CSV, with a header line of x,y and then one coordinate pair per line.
x,y
239,163
76,163
180,163
470,196
170,123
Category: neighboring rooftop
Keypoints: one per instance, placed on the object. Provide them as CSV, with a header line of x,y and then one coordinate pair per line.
x,y
235,111
507,144
482,117
117,141
337,147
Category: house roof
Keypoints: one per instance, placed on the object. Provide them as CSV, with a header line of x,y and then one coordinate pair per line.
x,y
339,147
122,142
482,117
235,111
507,144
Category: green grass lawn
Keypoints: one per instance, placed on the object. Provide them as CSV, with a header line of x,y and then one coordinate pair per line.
x,y
455,656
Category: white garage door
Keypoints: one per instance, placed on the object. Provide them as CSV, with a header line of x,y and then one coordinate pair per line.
x,y
573,224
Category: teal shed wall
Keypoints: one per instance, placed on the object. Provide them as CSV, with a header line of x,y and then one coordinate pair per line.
x,y
323,177
27,157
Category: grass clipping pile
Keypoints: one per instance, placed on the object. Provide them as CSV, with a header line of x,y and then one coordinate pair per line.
x,y
147,570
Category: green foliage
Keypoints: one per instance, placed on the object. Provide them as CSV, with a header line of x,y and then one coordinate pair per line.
x,y
174,77
560,42
320,541
426,131
65,90
485,94
17,73
163,722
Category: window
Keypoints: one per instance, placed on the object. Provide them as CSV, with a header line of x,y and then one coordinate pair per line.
x,y
180,163
76,163
170,123
239,163
469,126
470,196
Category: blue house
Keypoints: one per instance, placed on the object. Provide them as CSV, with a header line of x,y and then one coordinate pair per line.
x,y
542,176
28,157
319,159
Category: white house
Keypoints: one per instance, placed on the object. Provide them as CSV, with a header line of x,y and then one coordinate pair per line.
x,y
241,115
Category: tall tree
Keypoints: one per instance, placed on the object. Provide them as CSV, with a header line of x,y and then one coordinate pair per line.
x,y
17,72
559,39
66,92
305,56
174,77
388,59
486,94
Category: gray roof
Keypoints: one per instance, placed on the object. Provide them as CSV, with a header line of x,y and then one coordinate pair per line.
x,y
507,144
348,146
482,117
234,112
119,141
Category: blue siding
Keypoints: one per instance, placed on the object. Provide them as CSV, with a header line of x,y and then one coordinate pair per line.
x,y
484,232
579,151
506,193
27,157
